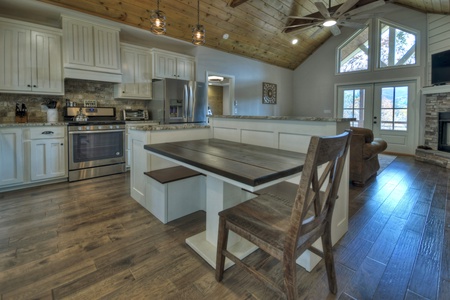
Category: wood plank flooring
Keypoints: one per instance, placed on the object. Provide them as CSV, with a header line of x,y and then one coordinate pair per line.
x,y
91,240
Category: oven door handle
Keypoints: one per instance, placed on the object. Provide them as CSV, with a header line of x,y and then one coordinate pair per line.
x,y
96,131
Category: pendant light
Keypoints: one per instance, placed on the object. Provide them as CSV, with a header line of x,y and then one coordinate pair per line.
x,y
198,31
158,21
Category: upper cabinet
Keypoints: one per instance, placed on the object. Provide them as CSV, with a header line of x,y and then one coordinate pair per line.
x,y
173,65
136,73
31,58
91,51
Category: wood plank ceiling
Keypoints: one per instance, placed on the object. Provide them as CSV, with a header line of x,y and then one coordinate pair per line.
x,y
255,27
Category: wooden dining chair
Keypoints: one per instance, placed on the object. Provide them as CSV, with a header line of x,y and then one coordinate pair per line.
x,y
285,228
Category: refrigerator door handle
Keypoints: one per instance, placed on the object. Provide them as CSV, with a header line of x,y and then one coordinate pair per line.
x,y
191,104
185,102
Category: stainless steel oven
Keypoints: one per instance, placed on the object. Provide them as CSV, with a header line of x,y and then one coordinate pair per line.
x,y
96,148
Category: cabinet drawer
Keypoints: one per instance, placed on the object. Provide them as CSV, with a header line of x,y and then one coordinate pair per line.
x,y
47,132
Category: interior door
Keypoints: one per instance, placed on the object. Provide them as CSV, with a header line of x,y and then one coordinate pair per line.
x,y
385,108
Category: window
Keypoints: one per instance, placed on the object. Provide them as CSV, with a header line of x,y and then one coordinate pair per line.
x,y
353,106
354,53
394,108
397,46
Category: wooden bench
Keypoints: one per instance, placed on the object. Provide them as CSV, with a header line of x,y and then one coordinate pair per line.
x,y
172,193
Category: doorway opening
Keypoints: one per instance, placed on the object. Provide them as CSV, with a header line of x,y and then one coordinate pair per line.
x,y
221,94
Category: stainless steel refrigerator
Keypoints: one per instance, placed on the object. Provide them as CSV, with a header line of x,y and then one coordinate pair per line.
x,y
179,101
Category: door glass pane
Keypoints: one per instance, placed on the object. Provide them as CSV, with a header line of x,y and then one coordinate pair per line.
x,y
353,106
394,112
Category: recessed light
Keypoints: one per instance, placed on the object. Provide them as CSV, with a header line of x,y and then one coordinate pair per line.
x,y
294,41
226,36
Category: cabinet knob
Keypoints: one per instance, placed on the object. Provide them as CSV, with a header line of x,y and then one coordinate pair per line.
x,y
34,85
62,144
48,132
28,85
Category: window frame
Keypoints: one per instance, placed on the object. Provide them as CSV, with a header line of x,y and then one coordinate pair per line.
x,y
377,61
369,26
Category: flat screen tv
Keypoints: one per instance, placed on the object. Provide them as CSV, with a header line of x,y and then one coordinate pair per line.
x,y
440,68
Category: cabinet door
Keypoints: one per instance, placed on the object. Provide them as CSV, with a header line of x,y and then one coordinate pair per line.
x,y
106,48
185,69
128,87
78,43
47,159
46,62
143,75
11,156
15,60
165,66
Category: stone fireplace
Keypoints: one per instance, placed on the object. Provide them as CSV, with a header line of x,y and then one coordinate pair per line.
x,y
437,101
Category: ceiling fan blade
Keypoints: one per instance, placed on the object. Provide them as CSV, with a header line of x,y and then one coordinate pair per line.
x,y
299,30
304,18
352,24
364,8
316,32
301,25
344,7
362,17
322,9
335,30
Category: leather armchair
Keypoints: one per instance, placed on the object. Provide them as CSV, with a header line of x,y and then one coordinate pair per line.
x,y
364,150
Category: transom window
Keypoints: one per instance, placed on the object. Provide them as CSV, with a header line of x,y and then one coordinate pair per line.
x,y
394,108
354,53
397,46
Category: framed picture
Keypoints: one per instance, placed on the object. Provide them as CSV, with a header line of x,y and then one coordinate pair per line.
x,y
269,93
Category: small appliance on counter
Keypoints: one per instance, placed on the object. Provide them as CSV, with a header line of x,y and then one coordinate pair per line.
x,y
21,113
135,115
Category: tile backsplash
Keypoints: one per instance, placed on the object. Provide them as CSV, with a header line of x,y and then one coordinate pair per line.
x,y
76,91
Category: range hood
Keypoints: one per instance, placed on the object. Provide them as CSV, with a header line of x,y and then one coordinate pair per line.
x,y
92,75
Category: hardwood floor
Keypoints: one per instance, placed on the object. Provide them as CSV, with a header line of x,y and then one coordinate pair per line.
x,y
91,240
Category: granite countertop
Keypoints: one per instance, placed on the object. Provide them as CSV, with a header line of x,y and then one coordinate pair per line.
x,y
168,127
32,124
288,118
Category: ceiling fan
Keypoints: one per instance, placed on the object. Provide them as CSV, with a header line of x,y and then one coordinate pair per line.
x,y
333,17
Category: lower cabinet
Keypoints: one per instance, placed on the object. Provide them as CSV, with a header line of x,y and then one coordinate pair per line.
x,y
11,157
48,152
47,159
32,156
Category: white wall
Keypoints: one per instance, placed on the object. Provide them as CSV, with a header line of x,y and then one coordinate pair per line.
x,y
249,76
315,80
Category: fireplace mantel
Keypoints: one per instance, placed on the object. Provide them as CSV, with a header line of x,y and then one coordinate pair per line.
x,y
436,89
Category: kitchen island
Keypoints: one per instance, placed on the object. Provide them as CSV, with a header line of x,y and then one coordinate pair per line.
x,y
293,134
142,161
284,133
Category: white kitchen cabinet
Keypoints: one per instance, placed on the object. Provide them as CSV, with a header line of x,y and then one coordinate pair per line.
x,y
31,60
11,157
48,152
91,51
173,65
136,73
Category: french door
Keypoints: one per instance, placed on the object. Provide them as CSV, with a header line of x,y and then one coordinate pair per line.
x,y
388,109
